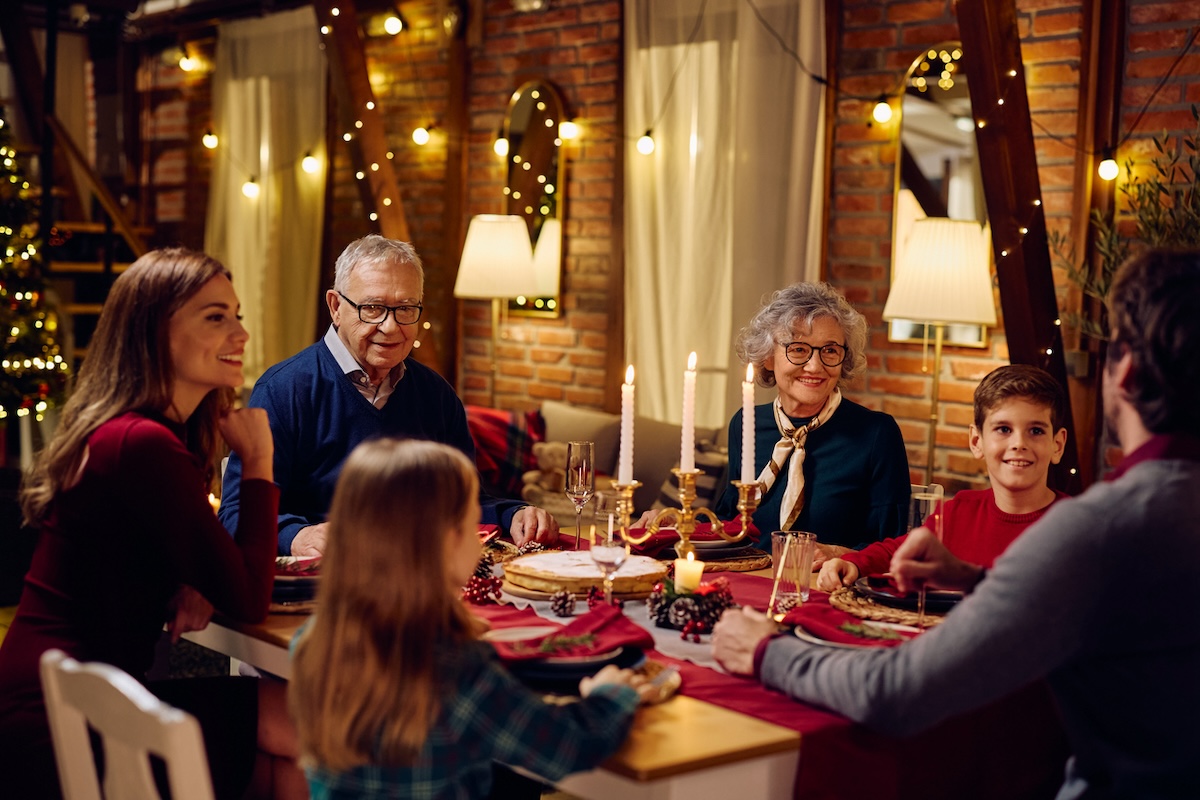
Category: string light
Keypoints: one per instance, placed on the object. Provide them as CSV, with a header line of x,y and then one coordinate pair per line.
x,y
568,129
209,139
393,24
421,135
500,146
251,188
882,113
645,143
1108,169
310,164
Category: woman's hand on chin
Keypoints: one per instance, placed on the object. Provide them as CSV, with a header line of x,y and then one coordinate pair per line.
x,y
248,433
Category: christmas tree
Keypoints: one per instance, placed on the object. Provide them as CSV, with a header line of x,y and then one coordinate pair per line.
x,y
33,374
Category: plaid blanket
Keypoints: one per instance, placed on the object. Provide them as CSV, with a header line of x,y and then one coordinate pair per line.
x,y
504,447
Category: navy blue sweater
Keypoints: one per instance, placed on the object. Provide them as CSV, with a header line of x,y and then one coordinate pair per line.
x,y
318,416
856,482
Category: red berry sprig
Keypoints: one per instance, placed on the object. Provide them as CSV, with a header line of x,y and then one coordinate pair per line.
x,y
481,590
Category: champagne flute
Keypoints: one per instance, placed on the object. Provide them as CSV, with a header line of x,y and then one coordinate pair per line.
x,y
581,478
925,509
609,551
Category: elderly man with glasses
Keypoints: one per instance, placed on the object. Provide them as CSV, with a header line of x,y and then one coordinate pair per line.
x,y
358,383
829,465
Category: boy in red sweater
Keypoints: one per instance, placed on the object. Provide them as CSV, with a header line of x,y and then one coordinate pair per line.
x,y
1017,433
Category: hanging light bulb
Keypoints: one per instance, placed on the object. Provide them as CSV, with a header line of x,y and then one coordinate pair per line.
x,y
645,144
209,139
310,164
1108,169
882,113
568,129
251,188
394,23
421,136
500,146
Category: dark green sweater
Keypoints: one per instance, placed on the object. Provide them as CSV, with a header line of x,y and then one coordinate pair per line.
x,y
856,481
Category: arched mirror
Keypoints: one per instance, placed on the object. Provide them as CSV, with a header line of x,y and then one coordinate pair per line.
x,y
532,149
937,168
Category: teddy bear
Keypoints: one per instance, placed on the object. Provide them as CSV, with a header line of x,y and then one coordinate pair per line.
x,y
551,475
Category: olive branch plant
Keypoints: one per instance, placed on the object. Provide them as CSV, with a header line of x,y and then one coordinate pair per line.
x,y
1163,210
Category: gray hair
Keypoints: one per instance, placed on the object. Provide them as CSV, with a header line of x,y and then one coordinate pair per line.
x,y
377,250
776,320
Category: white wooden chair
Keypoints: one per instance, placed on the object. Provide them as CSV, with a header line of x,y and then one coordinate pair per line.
x,y
131,722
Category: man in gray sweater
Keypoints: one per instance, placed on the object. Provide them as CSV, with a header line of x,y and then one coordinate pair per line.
x,y
1101,597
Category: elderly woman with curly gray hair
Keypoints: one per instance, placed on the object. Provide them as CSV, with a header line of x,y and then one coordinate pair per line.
x,y
828,464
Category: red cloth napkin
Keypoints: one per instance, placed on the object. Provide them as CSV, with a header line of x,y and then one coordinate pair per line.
x,y
825,622
666,539
610,628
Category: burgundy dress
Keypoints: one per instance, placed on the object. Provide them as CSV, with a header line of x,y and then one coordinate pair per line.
x,y
113,550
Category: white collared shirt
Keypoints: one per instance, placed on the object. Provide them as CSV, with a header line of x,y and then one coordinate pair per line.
x,y
376,395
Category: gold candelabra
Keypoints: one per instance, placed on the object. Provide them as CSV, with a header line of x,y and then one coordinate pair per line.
x,y
683,519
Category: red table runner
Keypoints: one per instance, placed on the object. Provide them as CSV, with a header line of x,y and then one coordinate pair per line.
x,y
1011,749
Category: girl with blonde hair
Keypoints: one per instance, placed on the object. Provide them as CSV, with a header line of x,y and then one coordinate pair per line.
x,y
121,497
392,693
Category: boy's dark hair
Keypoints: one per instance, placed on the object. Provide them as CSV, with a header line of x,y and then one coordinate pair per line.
x,y
1153,313
1024,381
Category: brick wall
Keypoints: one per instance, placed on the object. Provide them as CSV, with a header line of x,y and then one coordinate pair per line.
x,y
175,109
879,42
575,46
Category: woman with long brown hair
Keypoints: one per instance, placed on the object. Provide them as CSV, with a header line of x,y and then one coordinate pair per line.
x,y
392,693
120,496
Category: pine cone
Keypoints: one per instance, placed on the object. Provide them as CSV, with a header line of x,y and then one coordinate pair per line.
x,y
530,547
656,602
562,603
484,568
683,611
784,604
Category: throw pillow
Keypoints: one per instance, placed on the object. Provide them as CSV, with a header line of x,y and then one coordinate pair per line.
x,y
713,465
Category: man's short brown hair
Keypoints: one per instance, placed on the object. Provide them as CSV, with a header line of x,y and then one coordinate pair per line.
x,y
1154,311
1024,381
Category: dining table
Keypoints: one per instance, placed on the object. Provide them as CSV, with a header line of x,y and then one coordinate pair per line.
x,y
725,736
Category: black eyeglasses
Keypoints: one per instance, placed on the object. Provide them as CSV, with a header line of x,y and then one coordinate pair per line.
x,y
375,314
800,353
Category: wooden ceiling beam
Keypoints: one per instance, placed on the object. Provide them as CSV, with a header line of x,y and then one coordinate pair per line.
x,y
348,64
1013,192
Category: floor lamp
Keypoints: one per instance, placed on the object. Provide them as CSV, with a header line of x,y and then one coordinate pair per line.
x,y
941,279
496,264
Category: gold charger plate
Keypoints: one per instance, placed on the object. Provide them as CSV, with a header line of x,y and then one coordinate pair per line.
x,y
534,594
848,600
753,559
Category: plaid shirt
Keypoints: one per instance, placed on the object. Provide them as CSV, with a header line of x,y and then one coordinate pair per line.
x,y
488,715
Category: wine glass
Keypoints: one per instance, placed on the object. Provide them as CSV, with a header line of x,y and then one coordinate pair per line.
x,y
609,551
925,509
581,478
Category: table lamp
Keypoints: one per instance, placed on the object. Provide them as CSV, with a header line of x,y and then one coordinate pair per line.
x,y
547,259
496,264
942,279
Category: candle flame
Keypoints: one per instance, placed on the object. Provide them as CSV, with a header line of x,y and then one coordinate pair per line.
x,y
749,373
629,375
692,362
691,556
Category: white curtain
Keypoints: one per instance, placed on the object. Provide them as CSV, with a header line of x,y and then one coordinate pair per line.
x,y
268,114
727,207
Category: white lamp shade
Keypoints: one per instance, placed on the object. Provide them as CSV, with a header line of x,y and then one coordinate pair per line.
x,y
942,275
497,259
547,259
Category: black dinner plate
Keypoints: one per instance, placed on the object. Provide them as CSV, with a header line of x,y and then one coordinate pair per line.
x,y
564,678
885,593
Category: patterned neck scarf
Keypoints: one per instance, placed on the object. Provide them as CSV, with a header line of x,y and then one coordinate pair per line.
x,y
792,441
